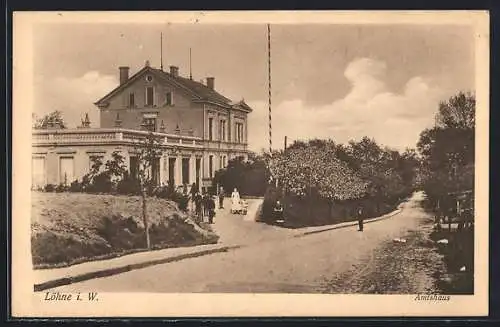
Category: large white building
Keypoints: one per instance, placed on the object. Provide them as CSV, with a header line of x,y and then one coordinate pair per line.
x,y
200,129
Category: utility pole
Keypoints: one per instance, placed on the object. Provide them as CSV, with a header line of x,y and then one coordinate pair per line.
x,y
190,66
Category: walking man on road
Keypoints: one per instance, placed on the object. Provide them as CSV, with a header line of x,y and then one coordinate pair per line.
x,y
360,218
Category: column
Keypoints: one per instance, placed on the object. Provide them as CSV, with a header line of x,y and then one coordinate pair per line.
x,y
162,169
192,169
178,170
165,169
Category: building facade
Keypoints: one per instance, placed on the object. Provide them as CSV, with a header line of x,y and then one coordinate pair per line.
x,y
200,131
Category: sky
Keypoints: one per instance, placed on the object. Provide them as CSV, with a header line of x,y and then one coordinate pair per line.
x,y
328,81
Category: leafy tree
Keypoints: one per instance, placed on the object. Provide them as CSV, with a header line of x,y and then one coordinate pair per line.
x,y
447,149
249,177
116,167
458,112
50,120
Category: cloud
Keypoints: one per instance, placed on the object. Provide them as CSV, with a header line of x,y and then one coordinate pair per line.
x,y
369,109
73,96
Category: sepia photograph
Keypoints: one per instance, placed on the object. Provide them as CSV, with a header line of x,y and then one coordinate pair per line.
x,y
250,163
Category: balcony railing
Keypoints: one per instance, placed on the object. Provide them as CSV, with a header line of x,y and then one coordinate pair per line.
x,y
107,135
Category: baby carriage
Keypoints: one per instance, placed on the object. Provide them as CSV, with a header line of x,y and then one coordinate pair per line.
x,y
241,208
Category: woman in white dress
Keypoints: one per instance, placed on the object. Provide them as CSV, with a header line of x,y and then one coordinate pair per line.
x,y
235,201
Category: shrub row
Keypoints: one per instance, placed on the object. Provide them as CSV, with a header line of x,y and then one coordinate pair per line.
x,y
125,186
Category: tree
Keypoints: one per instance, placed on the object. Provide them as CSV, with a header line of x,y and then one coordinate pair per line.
x,y
51,120
249,177
458,112
116,167
148,150
447,149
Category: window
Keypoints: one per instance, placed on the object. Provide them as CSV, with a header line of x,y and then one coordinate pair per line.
x,y
131,100
210,129
239,132
169,98
222,130
38,172
211,166
223,162
149,96
149,124
66,170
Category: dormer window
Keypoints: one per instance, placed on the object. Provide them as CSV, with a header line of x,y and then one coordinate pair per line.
x,y
169,98
149,96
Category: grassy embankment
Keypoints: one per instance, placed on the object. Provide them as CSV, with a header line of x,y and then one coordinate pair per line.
x,y
69,228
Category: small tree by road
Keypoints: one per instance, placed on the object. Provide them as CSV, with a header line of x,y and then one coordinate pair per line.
x,y
147,151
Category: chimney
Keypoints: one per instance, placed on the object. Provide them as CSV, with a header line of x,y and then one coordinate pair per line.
x,y
211,82
174,71
123,74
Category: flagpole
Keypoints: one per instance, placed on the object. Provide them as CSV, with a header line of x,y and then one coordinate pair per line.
x,y
269,86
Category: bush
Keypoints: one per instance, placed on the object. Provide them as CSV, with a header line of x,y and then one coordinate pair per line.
x,y
61,188
101,183
128,186
49,188
170,193
181,200
76,186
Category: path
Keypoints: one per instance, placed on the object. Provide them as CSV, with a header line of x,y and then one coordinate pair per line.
x,y
285,264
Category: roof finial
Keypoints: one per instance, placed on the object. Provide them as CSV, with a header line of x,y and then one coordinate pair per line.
x,y
147,63
86,121
161,51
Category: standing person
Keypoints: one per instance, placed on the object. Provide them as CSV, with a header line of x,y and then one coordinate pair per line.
x,y
205,204
235,201
198,206
278,212
192,194
360,218
221,198
211,209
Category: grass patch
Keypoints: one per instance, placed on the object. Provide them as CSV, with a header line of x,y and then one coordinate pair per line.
x,y
69,228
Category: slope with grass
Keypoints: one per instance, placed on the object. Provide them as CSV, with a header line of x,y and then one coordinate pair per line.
x,y
68,228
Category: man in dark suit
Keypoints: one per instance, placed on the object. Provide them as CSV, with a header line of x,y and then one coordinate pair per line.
x,y
360,214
